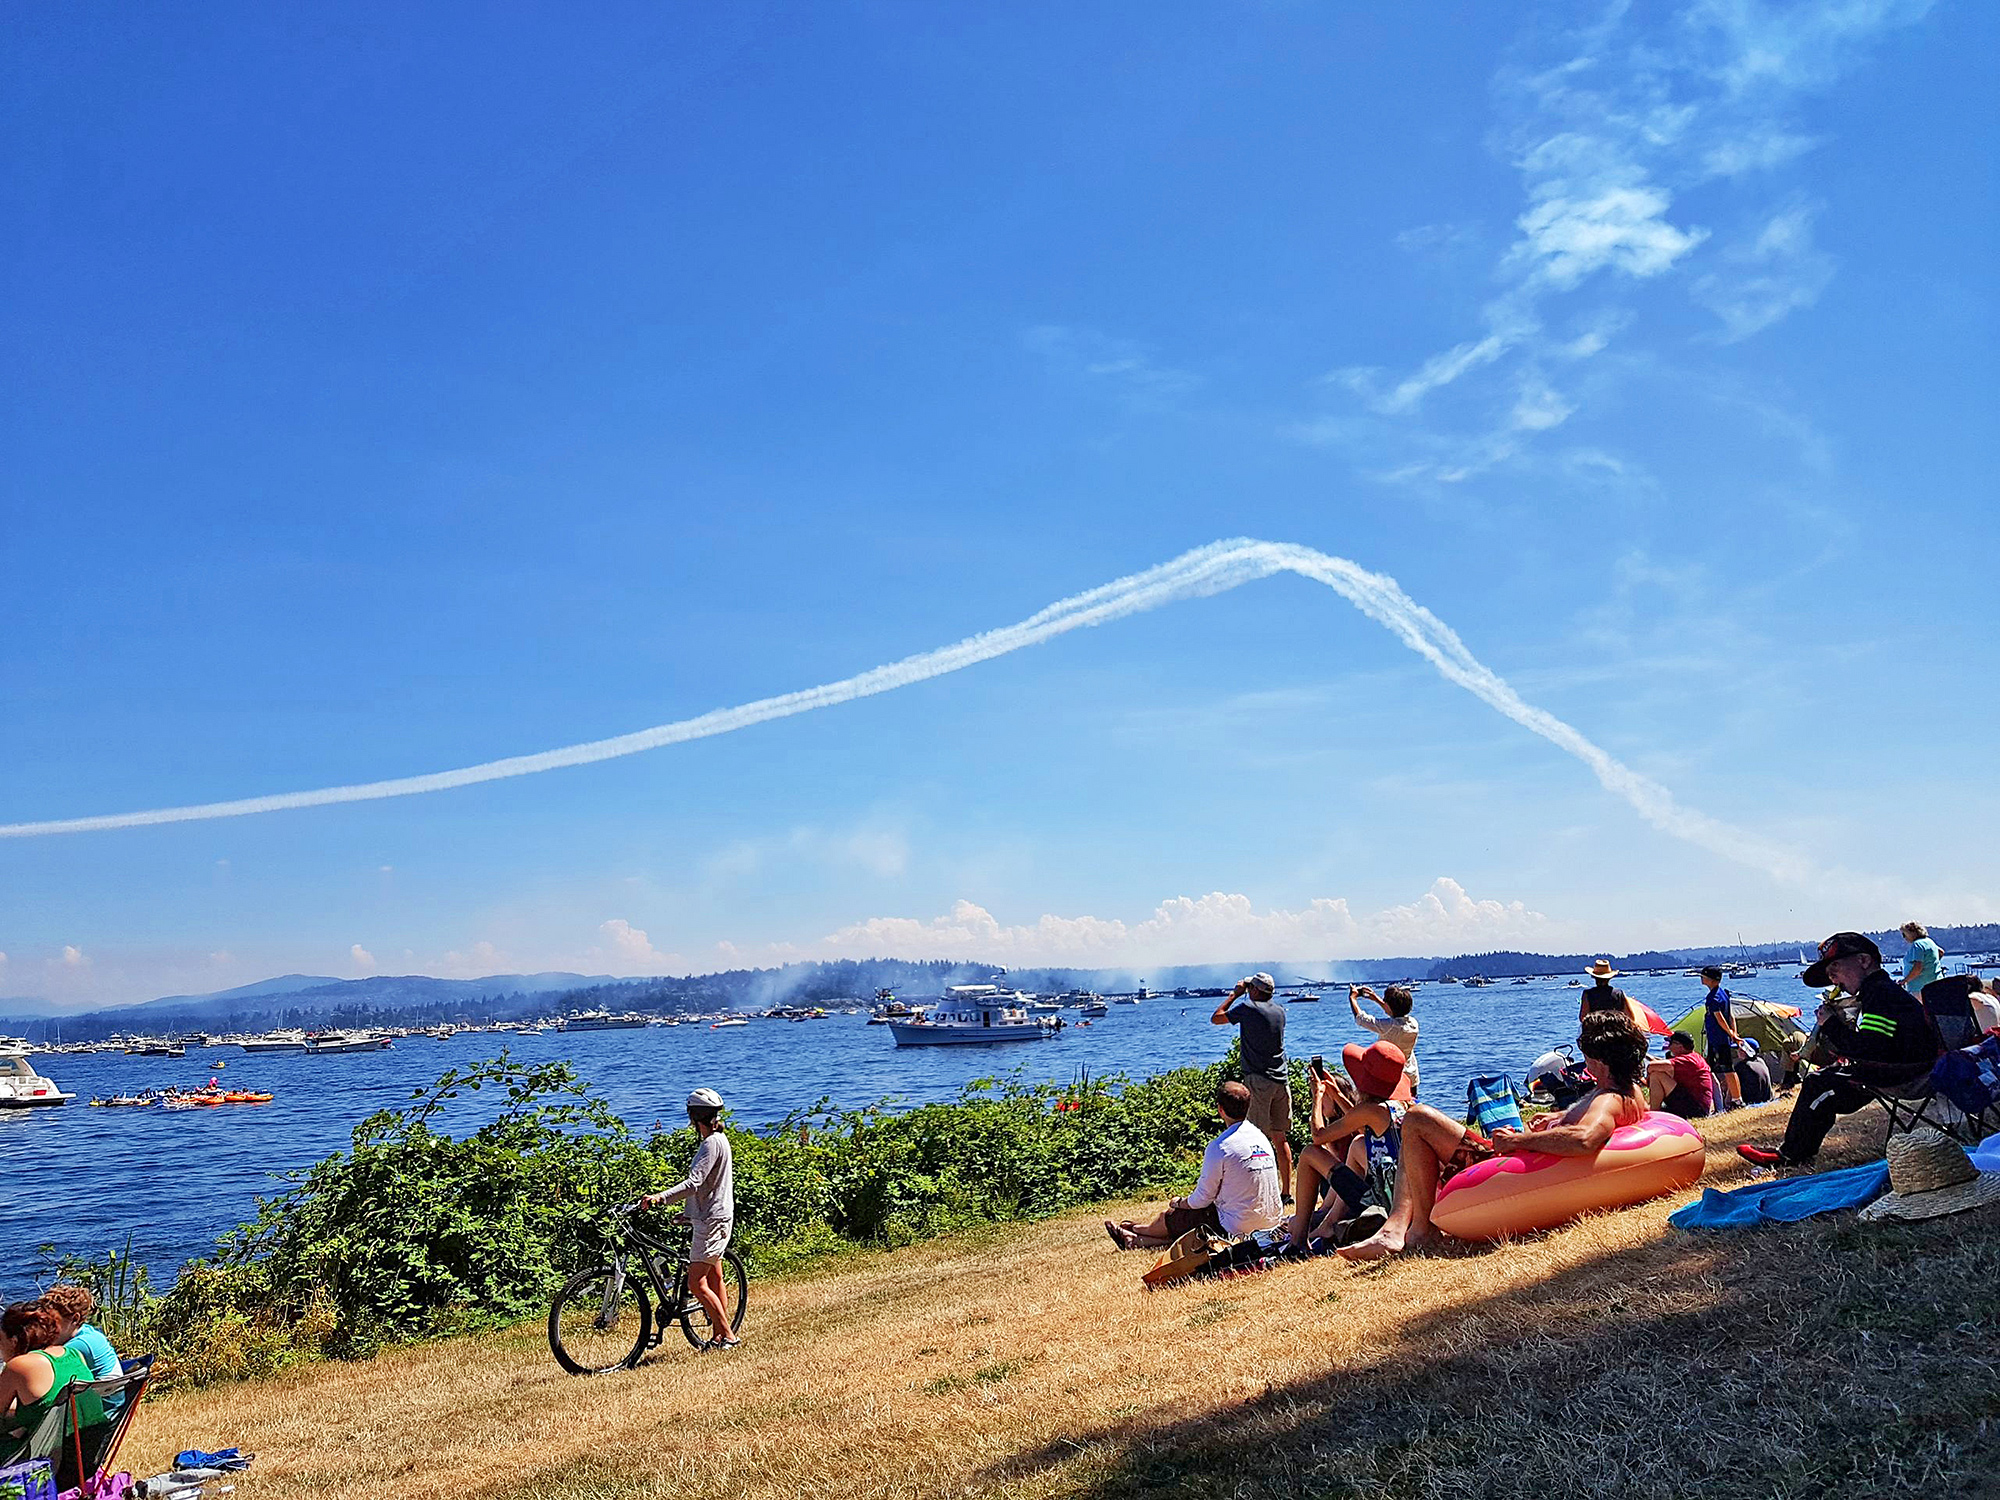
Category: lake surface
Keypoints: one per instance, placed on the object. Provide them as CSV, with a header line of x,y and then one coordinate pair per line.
x,y
176,1179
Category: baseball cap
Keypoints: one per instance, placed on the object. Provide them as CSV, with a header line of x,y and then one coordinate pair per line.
x,y
1262,982
1840,945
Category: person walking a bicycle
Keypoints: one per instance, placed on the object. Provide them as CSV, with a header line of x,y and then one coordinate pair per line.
x,y
709,1190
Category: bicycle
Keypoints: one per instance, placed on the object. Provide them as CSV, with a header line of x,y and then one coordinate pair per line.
x,y
603,1320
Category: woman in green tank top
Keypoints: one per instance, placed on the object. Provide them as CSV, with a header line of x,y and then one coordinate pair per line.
x,y
38,1371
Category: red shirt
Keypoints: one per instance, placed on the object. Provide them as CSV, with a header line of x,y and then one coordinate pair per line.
x,y
1691,1073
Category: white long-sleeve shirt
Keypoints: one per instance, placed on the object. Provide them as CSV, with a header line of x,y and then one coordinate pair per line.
x,y
1239,1175
710,1185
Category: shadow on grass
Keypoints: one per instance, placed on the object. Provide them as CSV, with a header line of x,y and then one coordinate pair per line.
x,y
1849,1358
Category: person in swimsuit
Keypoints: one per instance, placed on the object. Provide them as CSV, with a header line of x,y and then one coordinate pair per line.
x,y
1435,1146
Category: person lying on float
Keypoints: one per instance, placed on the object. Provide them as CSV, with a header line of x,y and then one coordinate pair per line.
x,y
1436,1147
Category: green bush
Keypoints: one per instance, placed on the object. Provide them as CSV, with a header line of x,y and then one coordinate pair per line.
x,y
414,1233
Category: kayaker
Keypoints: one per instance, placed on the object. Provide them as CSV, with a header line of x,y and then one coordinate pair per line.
x,y
1435,1146
710,1192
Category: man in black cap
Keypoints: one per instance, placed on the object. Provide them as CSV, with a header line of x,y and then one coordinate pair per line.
x,y
1882,1035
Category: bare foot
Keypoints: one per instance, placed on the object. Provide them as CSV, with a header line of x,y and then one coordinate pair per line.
x,y
1121,1235
1389,1240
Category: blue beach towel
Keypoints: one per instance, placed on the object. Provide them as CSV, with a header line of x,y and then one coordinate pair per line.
x,y
1786,1201
1492,1102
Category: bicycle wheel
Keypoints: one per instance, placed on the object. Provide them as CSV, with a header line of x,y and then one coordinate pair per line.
x,y
600,1321
694,1319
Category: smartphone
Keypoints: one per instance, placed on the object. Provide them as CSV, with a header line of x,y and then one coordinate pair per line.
x,y
1318,1065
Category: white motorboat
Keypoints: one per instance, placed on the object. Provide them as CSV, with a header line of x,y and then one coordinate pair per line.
x,y
21,1087
725,1025
973,1013
327,1042
275,1041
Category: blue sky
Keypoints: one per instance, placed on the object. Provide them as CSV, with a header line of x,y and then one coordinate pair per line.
x,y
391,389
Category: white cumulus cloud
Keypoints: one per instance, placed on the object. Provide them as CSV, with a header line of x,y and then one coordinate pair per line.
x,y
627,950
361,959
1195,929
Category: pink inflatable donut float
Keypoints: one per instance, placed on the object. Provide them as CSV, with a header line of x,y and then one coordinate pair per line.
x,y
1517,1194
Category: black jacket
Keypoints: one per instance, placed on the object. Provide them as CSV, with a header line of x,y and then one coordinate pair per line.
x,y
1891,1038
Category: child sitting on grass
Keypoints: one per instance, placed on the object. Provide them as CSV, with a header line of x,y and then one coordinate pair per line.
x,y
1354,1129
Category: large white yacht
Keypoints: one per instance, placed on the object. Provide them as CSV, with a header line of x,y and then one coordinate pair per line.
x,y
275,1041
325,1042
974,1013
21,1087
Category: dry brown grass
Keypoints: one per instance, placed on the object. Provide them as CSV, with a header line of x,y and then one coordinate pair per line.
x,y
1613,1357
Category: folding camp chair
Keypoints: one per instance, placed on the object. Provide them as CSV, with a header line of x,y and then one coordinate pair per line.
x,y
1949,1001
1959,1096
88,1445
43,1440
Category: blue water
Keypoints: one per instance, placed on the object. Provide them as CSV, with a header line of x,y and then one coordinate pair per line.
x,y
83,1178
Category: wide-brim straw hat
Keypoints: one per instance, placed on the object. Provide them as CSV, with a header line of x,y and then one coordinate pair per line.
x,y
1931,1176
1601,970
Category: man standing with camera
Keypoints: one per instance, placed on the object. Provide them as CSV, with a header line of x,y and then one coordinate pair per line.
x,y
1260,1023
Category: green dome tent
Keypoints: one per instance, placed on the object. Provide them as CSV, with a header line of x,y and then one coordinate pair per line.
x,y
1776,1027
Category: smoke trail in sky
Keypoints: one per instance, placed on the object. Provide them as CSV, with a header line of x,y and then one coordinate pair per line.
x,y
1206,571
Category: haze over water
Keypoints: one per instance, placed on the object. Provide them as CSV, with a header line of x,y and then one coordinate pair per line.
x,y
177,1179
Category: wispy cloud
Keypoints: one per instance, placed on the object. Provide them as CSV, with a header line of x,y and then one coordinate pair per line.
x,y
1609,129
1126,368
1778,271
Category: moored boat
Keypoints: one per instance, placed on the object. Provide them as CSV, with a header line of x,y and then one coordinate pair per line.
x,y
275,1041
601,1020
973,1013
326,1042
21,1087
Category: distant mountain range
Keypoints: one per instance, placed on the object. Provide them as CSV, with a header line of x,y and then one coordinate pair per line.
x,y
418,999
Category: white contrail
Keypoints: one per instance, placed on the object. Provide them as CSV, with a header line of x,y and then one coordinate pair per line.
x,y
1213,569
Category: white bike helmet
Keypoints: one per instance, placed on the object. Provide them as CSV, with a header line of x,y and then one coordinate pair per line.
x,y
704,1099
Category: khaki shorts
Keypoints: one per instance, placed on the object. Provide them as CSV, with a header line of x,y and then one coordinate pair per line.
x,y
1271,1109
710,1239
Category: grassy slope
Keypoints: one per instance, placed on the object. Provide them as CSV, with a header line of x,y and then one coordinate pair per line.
x,y
1614,1357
